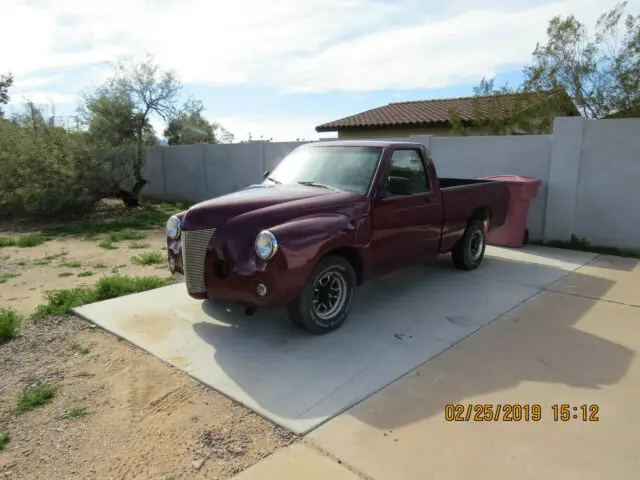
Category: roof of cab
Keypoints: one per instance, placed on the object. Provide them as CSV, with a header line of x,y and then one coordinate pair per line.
x,y
363,143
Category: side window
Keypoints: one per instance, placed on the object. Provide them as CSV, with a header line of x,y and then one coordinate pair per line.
x,y
406,173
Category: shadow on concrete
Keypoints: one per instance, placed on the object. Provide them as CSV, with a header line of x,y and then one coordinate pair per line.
x,y
535,343
400,321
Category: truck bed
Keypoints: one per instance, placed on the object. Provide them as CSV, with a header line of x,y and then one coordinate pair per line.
x,y
461,197
446,183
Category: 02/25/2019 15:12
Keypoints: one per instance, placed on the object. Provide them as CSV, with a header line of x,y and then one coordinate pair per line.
x,y
519,412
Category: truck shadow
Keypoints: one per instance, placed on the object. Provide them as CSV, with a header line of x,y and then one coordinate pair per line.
x,y
404,319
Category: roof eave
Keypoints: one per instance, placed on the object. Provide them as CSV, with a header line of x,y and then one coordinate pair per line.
x,y
399,126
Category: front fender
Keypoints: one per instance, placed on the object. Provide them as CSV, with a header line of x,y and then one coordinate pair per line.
x,y
302,241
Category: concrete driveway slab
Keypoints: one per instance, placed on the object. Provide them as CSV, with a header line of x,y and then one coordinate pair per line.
x,y
299,381
296,462
554,349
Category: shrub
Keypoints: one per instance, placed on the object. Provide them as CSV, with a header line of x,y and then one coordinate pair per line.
x,y
9,323
46,170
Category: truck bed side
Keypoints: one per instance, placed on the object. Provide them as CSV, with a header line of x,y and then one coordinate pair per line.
x,y
464,198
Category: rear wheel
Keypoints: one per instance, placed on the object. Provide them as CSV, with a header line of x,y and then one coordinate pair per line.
x,y
325,302
469,251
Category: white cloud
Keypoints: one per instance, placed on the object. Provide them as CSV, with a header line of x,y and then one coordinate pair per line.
x,y
263,128
267,127
300,45
42,97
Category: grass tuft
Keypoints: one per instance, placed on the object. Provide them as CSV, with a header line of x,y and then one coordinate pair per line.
x,y
148,258
139,245
99,265
76,412
72,264
79,349
125,235
107,244
4,439
65,274
7,276
9,324
60,302
86,273
35,396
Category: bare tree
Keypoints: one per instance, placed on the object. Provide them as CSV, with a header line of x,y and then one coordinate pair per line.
x,y
119,114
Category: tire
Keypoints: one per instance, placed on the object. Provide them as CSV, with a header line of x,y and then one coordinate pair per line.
x,y
318,318
469,251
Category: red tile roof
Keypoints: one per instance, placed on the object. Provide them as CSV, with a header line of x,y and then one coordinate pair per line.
x,y
429,112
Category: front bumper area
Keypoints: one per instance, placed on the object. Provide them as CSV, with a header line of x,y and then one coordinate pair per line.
x,y
252,282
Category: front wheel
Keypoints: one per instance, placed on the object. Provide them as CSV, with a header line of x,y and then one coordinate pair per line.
x,y
469,251
325,302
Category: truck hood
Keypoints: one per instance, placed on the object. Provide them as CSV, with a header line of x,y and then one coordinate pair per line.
x,y
279,202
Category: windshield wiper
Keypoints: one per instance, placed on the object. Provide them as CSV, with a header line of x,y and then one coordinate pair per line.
x,y
278,182
316,184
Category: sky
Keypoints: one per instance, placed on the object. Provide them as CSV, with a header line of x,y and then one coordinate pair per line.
x,y
275,70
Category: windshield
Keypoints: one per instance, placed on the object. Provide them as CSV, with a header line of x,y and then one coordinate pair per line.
x,y
345,168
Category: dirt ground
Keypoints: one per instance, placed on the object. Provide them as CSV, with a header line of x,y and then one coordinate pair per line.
x,y
137,417
144,419
39,268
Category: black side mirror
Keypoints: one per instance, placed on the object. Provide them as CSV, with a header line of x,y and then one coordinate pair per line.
x,y
398,186
266,174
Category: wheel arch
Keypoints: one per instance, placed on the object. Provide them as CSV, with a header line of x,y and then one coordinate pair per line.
x,y
351,255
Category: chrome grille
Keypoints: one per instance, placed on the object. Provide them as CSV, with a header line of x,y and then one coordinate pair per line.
x,y
194,249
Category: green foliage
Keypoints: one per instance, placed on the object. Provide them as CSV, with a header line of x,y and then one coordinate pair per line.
x,y
4,439
190,127
35,396
600,71
9,324
6,81
45,170
574,72
86,273
24,241
59,302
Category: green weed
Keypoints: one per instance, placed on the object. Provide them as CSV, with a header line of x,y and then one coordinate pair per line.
x,y
9,324
148,258
8,276
35,396
59,302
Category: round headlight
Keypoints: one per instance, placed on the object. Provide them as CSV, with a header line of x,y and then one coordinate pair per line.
x,y
173,227
266,245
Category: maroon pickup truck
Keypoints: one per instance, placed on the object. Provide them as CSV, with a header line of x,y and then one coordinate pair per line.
x,y
329,217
